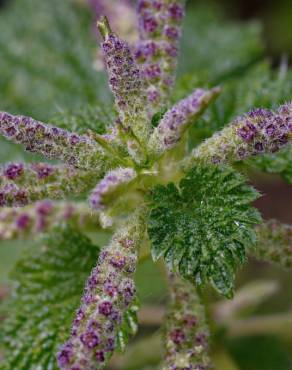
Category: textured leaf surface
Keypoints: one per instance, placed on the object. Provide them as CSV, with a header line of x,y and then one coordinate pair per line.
x,y
49,282
46,57
94,118
216,48
203,227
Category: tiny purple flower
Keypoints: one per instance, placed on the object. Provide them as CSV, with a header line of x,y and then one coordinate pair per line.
x,y
105,308
176,12
172,32
118,260
153,71
150,24
13,171
22,221
177,336
100,356
90,339
65,355
44,207
43,170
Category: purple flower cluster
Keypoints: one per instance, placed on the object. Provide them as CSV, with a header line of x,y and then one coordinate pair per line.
x,y
11,194
286,110
13,171
157,51
22,184
42,170
175,122
112,182
259,131
18,172
108,294
186,330
125,82
43,216
52,142
263,131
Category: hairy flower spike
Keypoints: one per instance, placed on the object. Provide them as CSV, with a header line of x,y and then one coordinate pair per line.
x,y
112,183
23,184
42,217
187,334
124,26
52,142
259,131
126,83
275,243
157,50
110,291
176,121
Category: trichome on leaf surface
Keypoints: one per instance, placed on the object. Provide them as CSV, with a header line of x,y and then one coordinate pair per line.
x,y
152,181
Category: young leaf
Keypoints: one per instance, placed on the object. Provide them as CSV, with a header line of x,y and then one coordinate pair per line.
x,y
49,282
203,227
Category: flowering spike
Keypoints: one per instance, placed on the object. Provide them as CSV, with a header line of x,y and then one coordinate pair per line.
x,y
52,142
126,84
274,243
176,121
114,182
124,26
23,184
186,329
109,293
42,217
259,131
157,51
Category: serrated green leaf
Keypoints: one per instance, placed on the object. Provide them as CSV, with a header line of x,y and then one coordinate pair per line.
x,y
95,118
47,54
216,48
203,227
49,281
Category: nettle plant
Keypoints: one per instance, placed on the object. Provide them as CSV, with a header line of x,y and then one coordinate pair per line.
x,y
162,197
